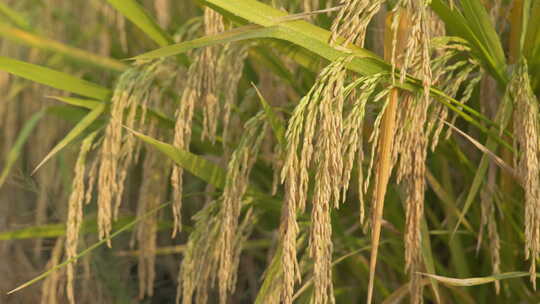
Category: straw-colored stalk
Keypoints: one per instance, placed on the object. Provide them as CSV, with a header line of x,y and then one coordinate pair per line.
x,y
394,43
411,141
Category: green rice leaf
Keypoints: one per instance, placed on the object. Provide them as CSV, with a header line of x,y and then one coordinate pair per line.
x,y
16,150
79,102
74,133
475,27
89,249
237,34
52,78
277,125
14,16
196,165
480,23
271,23
46,44
138,15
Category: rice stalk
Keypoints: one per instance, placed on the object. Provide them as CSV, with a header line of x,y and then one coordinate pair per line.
x,y
411,139
215,71
353,126
395,35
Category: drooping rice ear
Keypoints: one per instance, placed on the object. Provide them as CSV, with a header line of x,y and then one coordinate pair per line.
x,y
51,287
352,21
489,220
213,24
527,141
75,213
119,149
236,185
182,135
199,267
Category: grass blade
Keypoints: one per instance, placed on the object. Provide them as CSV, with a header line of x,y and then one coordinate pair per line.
x,y
52,78
137,14
277,126
237,34
46,44
485,47
76,131
14,16
196,165
479,22
16,150
89,249
79,102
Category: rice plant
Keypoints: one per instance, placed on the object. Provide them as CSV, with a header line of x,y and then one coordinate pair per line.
x,y
269,151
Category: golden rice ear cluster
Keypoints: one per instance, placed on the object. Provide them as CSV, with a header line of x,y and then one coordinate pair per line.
x,y
119,148
319,121
213,24
214,75
527,141
352,21
302,134
236,185
411,138
216,243
453,69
